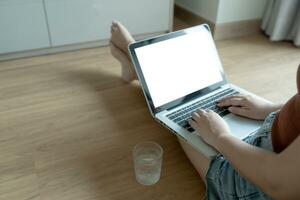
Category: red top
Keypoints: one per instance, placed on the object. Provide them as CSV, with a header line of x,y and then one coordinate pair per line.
x,y
286,126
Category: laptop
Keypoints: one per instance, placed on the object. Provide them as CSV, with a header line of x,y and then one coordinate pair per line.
x,y
181,72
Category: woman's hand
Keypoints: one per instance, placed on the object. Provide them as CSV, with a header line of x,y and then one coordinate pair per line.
x,y
248,106
209,125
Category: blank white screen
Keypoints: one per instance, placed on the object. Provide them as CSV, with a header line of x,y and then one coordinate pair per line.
x,y
180,66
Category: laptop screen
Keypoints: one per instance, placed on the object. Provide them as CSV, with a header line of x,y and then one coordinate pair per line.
x,y
179,66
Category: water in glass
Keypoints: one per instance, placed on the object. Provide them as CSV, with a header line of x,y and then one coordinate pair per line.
x,y
147,163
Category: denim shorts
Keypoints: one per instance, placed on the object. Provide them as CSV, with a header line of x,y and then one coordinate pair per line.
x,y
224,182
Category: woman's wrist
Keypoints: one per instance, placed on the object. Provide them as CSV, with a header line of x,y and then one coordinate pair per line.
x,y
221,139
272,108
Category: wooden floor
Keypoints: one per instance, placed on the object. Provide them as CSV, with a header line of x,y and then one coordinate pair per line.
x,y
68,123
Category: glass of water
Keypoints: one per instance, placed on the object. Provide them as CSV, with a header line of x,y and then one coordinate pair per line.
x,y
147,158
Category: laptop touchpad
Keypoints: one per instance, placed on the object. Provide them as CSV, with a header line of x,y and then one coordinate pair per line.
x,y
241,127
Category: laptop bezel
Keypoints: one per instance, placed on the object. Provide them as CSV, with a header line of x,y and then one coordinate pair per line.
x,y
142,80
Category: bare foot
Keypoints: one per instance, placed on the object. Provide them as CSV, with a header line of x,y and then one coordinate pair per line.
x,y
120,36
120,39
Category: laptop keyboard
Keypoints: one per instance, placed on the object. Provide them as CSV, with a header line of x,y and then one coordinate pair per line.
x,y
182,115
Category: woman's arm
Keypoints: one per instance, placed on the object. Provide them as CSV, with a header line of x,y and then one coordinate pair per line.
x,y
276,174
255,164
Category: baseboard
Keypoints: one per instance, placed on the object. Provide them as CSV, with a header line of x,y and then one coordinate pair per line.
x,y
237,29
191,18
72,47
220,31
51,50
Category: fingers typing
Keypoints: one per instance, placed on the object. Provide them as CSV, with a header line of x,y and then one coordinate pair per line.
x,y
233,101
201,112
195,117
230,97
239,111
192,123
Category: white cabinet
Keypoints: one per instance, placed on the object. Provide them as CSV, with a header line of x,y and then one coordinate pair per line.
x,y
77,21
22,25
34,27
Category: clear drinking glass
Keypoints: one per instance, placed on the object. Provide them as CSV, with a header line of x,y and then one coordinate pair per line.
x,y
147,158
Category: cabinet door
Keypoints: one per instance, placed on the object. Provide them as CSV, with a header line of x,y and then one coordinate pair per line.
x,y
76,21
22,25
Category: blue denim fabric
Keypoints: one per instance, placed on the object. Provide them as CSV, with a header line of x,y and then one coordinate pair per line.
x,y
224,182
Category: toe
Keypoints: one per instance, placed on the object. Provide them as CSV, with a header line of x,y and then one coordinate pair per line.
x,y
114,28
115,25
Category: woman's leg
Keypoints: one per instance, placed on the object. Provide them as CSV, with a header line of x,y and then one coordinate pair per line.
x,y
200,162
120,38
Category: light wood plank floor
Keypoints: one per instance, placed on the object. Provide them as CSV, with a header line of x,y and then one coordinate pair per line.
x,y
68,123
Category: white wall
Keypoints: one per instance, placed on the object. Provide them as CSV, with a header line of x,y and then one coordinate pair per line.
x,y
225,11
239,10
207,9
